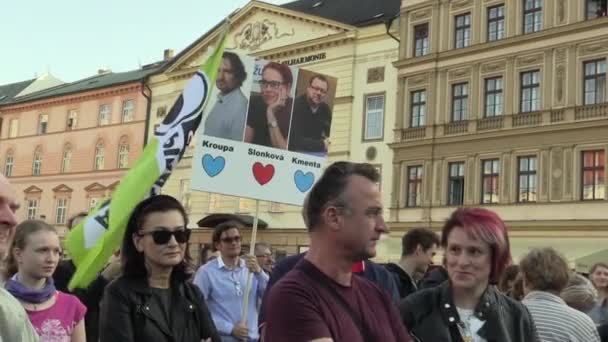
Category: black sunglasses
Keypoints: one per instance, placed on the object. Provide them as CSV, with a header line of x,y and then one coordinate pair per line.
x,y
231,239
162,236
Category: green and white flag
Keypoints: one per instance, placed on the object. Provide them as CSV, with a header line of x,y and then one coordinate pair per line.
x,y
93,241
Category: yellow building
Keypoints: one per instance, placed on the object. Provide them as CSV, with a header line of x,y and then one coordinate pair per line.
x,y
335,38
503,105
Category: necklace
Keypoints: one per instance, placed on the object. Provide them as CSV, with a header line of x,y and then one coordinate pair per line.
x,y
464,328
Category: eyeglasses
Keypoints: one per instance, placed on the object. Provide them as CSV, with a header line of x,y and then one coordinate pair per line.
x,y
270,84
231,239
162,236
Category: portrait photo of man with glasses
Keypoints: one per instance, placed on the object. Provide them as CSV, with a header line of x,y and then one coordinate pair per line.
x,y
269,113
311,118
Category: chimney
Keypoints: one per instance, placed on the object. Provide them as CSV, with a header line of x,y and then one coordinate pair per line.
x,y
168,54
102,71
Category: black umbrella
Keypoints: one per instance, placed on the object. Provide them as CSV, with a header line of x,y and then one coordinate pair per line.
x,y
213,220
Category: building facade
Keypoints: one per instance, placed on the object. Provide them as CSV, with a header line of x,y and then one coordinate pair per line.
x,y
66,148
502,104
330,37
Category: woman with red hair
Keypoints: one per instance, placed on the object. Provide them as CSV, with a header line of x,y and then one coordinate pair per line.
x,y
468,307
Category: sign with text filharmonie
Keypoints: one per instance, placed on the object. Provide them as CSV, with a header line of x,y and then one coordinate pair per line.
x,y
265,132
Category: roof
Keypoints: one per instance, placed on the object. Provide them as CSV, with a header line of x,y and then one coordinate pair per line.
x,y
91,83
8,91
352,12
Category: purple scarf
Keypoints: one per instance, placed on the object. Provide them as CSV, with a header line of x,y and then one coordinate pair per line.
x,y
28,295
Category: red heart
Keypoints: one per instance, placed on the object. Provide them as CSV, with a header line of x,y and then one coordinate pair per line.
x,y
263,174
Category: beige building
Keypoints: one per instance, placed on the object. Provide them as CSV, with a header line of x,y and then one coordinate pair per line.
x,y
502,104
330,37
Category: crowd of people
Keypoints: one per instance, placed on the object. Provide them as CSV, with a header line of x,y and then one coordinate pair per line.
x,y
149,290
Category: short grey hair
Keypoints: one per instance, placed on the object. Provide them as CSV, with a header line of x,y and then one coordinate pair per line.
x,y
579,293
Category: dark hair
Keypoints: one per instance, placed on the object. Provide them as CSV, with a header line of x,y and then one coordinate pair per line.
x,y
426,238
133,262
330,188
486,226
595,267
81,214
238,68
508,276
320,78
282,69
222,227
545,270
22,232
203,252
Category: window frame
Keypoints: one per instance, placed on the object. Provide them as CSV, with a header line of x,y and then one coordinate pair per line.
x,y
107,116
597,77
128,114
421,105
465,28
32,211
498,19
595,169
72,120
495,94
66,155
8,167
123,156
531,87
528,174
99,160
455,178
532,11
463,99
37,162
491,175
416,184
43,124
425,48
600,2
64,209
366,112
13,128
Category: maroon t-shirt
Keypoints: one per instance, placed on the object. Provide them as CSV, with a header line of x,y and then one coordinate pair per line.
x,y
301,309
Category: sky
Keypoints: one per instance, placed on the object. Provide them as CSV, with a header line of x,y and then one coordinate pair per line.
x,y
72,39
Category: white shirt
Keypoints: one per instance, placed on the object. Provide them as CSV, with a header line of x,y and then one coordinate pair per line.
x,y
472,324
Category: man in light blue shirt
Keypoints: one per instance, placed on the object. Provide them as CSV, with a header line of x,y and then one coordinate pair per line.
x,y
223,282
227,118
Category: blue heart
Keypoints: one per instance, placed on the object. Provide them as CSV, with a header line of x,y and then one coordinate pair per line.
x,y
213,166
303,180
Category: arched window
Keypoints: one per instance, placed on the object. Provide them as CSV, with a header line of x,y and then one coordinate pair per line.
x,y
100,153
123,156
66,159
8,163
37,163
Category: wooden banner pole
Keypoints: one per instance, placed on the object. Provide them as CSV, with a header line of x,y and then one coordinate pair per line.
x,y
254,233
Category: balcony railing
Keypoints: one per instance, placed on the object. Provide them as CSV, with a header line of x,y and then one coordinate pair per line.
x,y
557,115
527,119
484,124
594,111
413,133
457,127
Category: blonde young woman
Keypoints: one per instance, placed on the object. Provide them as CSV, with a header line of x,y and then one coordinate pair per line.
x,y
33,256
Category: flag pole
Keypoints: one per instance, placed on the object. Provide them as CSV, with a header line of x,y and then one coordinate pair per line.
x,y
254,233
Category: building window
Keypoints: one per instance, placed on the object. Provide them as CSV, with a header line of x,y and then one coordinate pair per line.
x,y
527,179
414,186
13,128
214,202
489,182
37,163
127,111
276,207
72,120
99,156
93,202
530,91
594,181
462,31
596,8
533,15
184,193
32,209
595,81
456,183
496,23
66,160
460,101
104,114
418,108
43,123
246,205
493,97
8,163
374,117
123,156
61,211
421,40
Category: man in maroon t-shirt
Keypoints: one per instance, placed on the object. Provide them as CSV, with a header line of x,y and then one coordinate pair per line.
x,y
320,300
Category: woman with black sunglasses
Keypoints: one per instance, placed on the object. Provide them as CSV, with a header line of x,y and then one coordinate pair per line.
x,y
152,300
